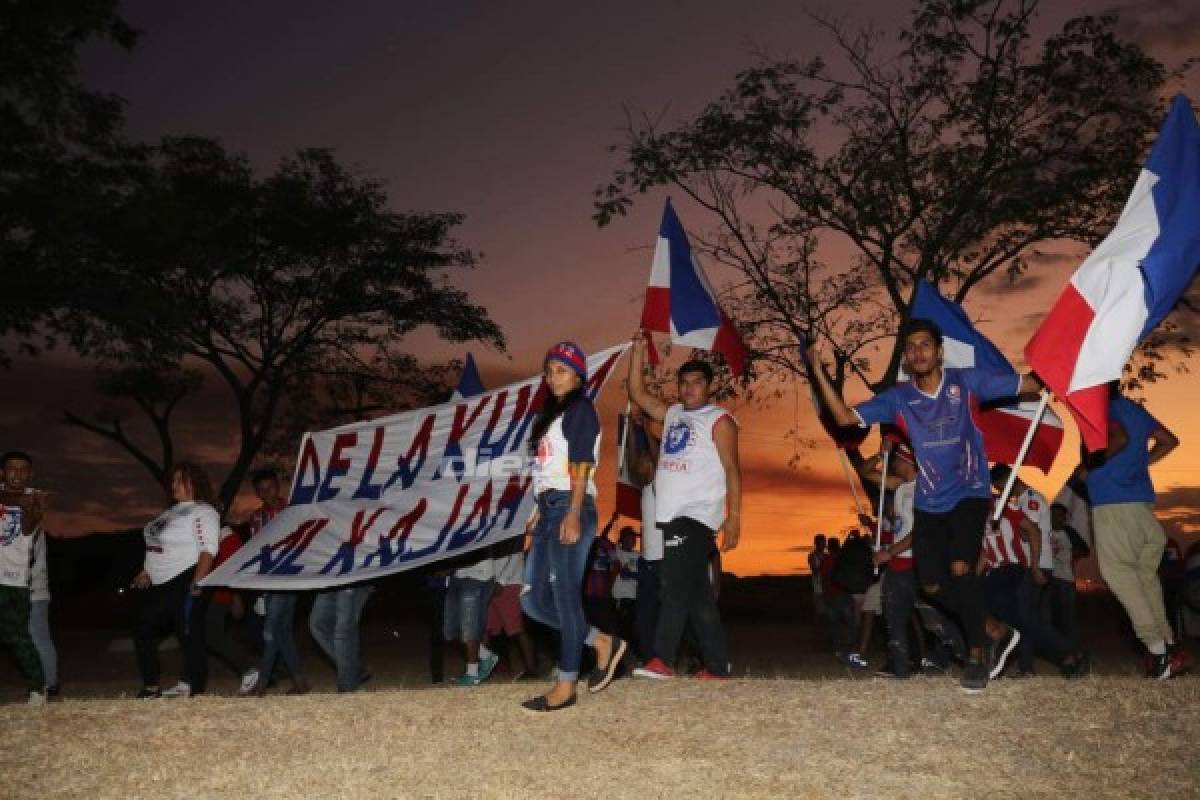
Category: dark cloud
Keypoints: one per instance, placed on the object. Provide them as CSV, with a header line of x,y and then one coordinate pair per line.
x,y
1168,28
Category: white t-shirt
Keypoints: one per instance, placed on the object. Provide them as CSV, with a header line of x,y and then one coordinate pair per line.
x,y
690,480
482,570
625,586
652,535
1060,546
176,538
554,452
16,549
1036,507
510,569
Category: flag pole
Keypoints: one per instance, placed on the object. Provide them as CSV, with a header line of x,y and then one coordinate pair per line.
x,y
624,438
882,490
850,480
1043,401
812,396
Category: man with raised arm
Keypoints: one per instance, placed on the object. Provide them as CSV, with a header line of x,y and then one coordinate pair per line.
x,y
936,411
698,491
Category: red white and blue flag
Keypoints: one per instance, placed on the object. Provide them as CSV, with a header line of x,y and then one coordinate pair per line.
x,y
1003,426
629,496
681,302
1129,282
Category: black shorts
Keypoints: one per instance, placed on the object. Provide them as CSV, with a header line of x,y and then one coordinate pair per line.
x,y
940,538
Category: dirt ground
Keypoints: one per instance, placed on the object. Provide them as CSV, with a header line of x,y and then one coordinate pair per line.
x,y
793,724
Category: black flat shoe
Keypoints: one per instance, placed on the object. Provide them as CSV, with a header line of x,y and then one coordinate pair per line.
x,y
540,704
601,677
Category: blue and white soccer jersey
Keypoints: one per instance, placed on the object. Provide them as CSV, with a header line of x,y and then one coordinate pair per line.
x,y
944,430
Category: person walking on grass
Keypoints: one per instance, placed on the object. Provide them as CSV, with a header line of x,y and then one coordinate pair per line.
x,y
181,545
698,492
936,411
21,511
565,443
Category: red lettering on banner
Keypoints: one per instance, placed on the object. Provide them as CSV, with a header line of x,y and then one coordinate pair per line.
x,y
366,489
303,493
405,472
343,559
289,548
392,543
453,455
338,465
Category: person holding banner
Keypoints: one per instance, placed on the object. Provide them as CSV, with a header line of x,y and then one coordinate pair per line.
x,y
181,545
936,411
565,442
698,491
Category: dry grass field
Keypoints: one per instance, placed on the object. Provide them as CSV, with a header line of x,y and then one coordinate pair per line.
x,y
794,725
1104,736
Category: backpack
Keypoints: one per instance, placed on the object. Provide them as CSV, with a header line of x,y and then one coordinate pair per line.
x,y
854,570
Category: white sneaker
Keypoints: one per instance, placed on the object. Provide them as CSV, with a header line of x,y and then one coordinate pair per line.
x,y
37,698
181,689
249,681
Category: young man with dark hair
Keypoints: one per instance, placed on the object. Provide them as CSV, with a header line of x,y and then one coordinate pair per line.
x,y
698,491
935,409
21,511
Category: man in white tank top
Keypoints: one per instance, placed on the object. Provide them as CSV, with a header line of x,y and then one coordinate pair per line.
x,y
698,491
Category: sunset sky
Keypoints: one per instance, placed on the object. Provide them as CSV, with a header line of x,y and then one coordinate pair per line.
x,y
505,112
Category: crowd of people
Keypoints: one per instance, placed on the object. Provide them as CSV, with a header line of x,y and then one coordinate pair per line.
x,y
956,573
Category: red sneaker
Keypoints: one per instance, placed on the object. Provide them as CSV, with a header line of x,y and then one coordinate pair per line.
x,y
1181,661
705,675
654,669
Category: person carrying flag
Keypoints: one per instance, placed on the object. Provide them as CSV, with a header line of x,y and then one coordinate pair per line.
x,y
698,491
936,411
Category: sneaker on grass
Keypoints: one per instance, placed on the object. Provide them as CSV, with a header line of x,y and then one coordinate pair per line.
x,y
181,689
974,677
856,661
1000,649
486,665
249,682
467,680
655,669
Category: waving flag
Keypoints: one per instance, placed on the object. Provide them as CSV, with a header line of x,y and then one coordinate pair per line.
x,y
629,496
469,383
680,301
1004,426
1129,282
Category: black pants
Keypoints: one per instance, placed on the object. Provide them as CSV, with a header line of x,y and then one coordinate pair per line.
x,y
1062,610
899,600
219,639
687,595
1037,636
647,606
171,605
939,540
843,622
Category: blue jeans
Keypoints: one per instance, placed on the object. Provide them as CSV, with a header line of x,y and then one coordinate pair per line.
x,y
278,636
39,631
334,624
465,617
554,577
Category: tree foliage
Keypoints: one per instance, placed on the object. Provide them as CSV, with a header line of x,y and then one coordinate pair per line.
x,y
949,154
291,289
55,135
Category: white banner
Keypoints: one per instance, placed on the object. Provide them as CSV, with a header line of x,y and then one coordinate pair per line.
x,y
379,497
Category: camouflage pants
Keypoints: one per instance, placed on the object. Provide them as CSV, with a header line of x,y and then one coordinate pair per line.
x,y
14,634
